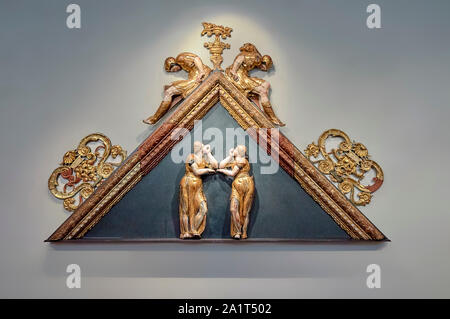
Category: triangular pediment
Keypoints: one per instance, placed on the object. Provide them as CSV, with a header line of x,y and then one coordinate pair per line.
x,y
151,208
218,91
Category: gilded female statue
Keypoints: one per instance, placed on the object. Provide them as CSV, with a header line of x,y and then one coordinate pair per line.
x,y
197,72
253,87
242,190
193,206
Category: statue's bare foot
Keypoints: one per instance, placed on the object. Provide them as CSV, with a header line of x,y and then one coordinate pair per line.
x,y
150,121
244,236
185,236
276,121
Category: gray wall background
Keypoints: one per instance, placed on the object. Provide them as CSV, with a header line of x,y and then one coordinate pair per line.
x,y
387,88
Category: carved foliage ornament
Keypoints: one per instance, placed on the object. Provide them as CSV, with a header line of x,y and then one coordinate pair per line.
x,y
216,48
346,166
82,170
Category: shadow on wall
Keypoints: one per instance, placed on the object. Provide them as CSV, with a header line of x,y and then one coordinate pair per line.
x,y
197,259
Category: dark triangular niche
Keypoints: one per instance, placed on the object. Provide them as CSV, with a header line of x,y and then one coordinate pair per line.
x,y
281,209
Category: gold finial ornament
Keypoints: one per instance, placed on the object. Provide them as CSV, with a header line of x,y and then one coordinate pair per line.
x,y
216,48
82,170
346,166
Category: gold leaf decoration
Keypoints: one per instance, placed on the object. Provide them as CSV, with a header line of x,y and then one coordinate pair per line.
x,y
83,169
216,47
346,166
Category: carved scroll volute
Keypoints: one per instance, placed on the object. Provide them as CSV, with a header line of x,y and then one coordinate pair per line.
x,y
216,48
346,166
83,169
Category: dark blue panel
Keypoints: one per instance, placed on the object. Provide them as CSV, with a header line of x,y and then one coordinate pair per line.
x,y
281,209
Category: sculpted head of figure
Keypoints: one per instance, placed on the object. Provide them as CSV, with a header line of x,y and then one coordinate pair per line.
x,y
266,63
248,47
170,65
240,151
198,147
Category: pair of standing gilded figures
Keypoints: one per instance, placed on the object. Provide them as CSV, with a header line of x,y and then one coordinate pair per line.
x,y
193,205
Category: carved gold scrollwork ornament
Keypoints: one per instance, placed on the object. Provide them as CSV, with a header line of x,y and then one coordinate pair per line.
x,y
82,170
216,48
346,166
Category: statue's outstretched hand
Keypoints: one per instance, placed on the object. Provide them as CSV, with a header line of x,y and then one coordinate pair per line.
x,y
200,77
207,149
234,75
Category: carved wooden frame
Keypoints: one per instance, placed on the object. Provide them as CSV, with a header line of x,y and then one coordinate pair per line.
x,y
216,88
